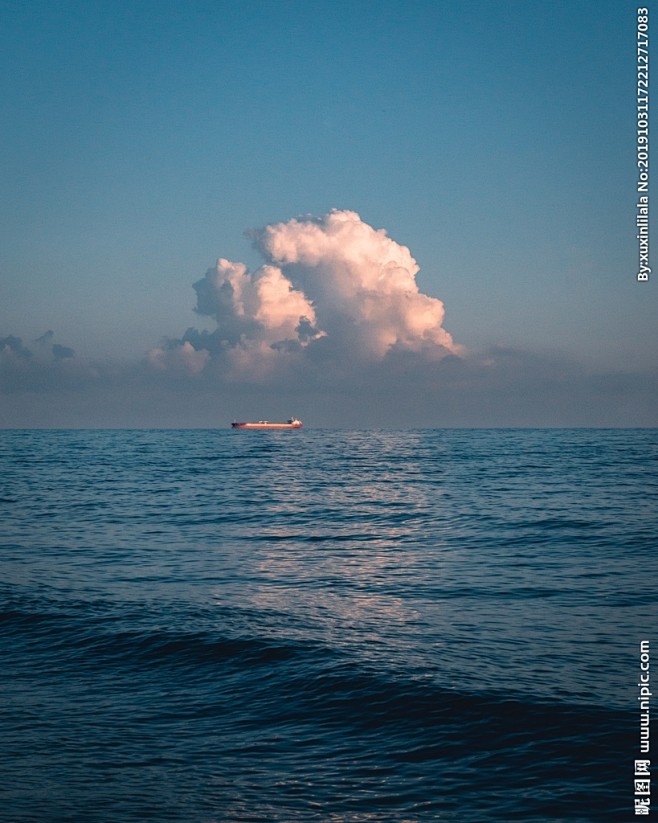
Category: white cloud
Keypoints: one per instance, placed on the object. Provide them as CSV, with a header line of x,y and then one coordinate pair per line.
x,y
331,288
332,326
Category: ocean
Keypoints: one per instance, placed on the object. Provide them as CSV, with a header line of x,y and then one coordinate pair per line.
x,y
324,625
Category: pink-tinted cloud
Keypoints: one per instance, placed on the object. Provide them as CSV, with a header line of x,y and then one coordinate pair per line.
x,y
331,288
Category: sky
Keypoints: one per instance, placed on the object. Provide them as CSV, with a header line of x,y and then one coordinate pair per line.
x,y
361,213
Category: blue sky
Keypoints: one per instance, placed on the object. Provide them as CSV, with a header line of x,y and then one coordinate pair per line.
x,y
495,140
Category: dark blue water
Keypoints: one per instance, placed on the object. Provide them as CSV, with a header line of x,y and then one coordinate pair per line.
x,y
324,625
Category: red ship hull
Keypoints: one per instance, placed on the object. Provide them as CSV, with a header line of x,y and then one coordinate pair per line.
x,y
265,424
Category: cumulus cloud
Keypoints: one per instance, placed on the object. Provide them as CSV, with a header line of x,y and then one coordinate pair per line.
x,y
331,289
331,326
362,282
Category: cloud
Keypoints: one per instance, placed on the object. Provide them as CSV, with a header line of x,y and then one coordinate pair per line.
x,y
332,291
182,358
499,387
37,367
62,352
47,347
46,338
12,350
331,326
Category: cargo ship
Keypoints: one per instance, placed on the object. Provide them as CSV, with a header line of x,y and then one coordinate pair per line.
x,y
293,423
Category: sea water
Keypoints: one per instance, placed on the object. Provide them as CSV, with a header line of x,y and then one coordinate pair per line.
x,y
324,625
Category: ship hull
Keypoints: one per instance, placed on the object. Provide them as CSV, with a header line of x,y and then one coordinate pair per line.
x,y
297,424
